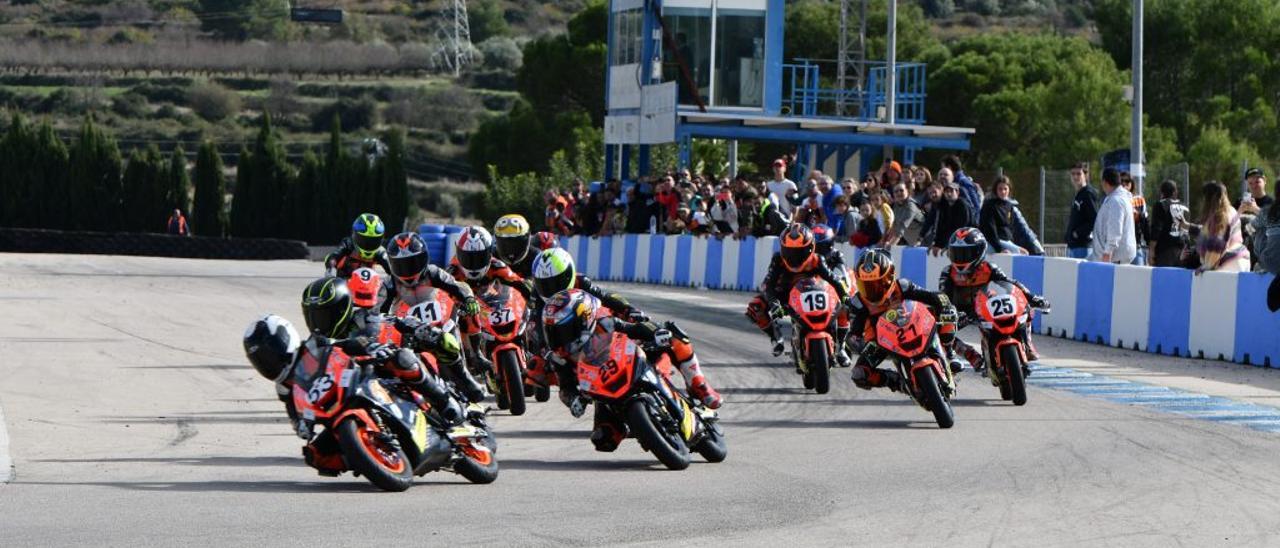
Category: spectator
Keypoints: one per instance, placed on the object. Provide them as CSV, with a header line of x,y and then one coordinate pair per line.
x,y
882,212
782,188
177,224
640,211
1266,239
1114,240
869,232
933,201
667,198
1220,240
907,219
1168,228
746,213
767,220
921,180
1084,213
845,223
847,187
593,213
815,178
810,212
829,194
969,190
1253,202
890,174
724,213
1141,221
1002,224
953,214
557,221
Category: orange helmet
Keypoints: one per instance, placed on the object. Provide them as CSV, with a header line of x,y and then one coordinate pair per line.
x,y
876,278
797,248
364,284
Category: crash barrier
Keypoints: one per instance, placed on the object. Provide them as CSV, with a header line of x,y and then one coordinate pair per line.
x,y
1170,311
25,240
440,240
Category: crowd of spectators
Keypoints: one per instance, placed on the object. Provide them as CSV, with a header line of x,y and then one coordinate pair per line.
x,y
913,206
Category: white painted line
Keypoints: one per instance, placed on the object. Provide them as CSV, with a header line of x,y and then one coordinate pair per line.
x,y
6,463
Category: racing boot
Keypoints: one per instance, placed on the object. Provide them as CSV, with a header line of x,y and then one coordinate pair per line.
x,y
409,368
687,361
866,377
698,388
608,431
971,355
775,339
842,354
472,390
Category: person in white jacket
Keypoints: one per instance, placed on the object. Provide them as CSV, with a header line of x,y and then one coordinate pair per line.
x,y
1114,238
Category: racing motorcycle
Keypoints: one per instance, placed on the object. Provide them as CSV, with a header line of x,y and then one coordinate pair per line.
x,y
386,432
909,335
812,306
617,372
1004,315
503,323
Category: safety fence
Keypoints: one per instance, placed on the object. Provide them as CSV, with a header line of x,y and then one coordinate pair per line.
x,y
1168,311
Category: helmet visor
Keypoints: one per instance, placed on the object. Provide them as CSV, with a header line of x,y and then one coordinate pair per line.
x,y
327,319
794,257
554,284
474,260
874,291
367,244
964,256
560,335
512,249
408,268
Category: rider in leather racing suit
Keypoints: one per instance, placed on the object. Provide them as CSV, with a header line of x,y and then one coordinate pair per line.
x,y
363,249
968,275
797,258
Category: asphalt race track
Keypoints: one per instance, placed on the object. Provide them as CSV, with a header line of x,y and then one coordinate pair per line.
x,y
134,420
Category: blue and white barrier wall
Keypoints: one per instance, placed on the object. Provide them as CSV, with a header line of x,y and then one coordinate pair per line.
x,y
1169,311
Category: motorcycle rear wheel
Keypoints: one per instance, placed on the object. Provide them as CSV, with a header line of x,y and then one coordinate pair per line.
x,y
820,366
512,382
931,394
542,394
383,465
1011,358
671,451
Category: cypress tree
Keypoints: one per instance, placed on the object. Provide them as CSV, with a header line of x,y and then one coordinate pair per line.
x,y
178,194
338,213
271,173
14,186
394,181
242,206
306,199
51,162
136,192
209,218
94,183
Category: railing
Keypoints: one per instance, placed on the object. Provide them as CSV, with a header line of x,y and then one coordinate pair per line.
x,y
805,95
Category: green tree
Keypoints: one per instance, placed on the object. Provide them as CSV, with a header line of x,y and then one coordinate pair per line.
x,y
244,19
486,20
812,31
144,198
210,215
394,180
178,194
94,180
268,174
307,199
243,201
1217,155
33,186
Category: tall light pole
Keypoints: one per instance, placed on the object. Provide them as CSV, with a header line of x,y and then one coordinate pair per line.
x,y
1137,160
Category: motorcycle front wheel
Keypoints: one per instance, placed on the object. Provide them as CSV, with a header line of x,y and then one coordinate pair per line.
x,y
820,365
512,382
931,395
479,461
369,455
1011,359
669,448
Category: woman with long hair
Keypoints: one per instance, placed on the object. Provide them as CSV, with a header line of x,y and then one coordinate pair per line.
x,y
1220,243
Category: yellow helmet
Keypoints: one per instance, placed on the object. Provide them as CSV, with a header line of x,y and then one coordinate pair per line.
x,y
512,233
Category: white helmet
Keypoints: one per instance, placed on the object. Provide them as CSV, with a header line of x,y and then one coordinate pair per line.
x,y
474,252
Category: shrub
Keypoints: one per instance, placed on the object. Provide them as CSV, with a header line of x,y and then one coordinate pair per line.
x,y
501,53
449,206
354,114
213,102
130,105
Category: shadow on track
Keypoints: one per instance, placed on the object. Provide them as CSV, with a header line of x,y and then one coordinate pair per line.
x,y
581,435
344,484
837,424
256,462
630,465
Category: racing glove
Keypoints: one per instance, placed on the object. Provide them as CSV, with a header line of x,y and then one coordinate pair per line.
x,y
636,316
1038,301
662,337
471,306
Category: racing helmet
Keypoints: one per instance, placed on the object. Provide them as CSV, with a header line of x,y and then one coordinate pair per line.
x,y
876,277
512,233
271,344
408,256
544,240
824,239
553,272
568,320
797,248
326,306
474,252
364,285
366,234
966,249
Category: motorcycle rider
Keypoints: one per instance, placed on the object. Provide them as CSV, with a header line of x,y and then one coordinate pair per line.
x,y
474,263
274,348
516,247
797,257
554,273
570,319
824,244
968,275
880,290
367,318
414,276
362,249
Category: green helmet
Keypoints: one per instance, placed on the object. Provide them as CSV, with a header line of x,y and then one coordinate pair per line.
x,y
326,306
553,272
366,234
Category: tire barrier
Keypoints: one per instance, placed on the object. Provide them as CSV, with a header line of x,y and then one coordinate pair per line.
x,y
23,240
1216,315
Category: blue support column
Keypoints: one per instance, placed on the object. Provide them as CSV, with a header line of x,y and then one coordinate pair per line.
x,y
642,158
626,162
609,159
685,146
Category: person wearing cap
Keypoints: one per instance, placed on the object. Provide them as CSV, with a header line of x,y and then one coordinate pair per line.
x,y
783,188
1257,199
890,174
953,213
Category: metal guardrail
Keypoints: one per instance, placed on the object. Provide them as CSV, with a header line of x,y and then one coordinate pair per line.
x,y
805,95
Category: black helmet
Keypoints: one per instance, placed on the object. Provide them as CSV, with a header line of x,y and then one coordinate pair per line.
x,y
271,343
326,306
408,256
824,239
966,249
